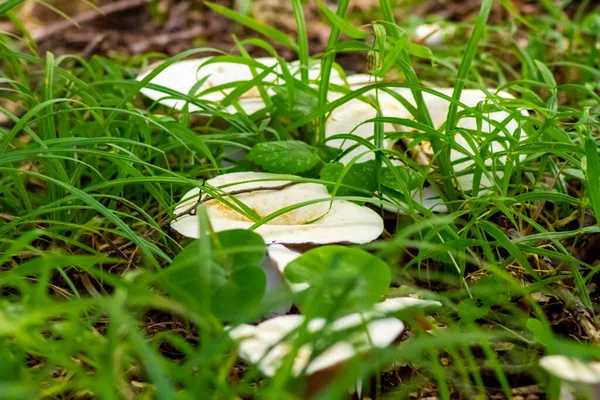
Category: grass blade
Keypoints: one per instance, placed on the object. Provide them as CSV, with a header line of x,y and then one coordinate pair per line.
x,y
591,175
327,65
303,50
251,23
8,5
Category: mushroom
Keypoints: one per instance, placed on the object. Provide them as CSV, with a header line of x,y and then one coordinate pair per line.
x,y
349,118
433,34
438,109
581,379
322,222
182,76
266,344
425,196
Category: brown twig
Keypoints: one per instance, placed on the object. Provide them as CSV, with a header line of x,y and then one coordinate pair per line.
x,y
192,210
89,49
165,38
7,217
42,34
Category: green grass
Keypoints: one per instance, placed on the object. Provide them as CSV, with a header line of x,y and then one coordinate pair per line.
x,y
90,170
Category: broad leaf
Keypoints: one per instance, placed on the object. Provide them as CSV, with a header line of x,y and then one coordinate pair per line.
x,y
236,281
289,157
361,176
400,176
292,109
341,279
470,310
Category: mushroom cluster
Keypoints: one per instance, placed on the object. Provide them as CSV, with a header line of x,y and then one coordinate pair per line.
x,y
268,343
472,146
207,80
297,212
472,136
288,210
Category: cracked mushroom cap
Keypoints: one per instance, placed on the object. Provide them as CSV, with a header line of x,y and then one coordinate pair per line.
x,y
323,222
571,369
266,344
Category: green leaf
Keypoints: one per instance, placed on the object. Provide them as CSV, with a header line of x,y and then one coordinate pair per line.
x,y
349,46
469,310
341,24
303,46
462,77
546,74
340,279
240,247
491,290
361,176
11,367
400,176
326,66
293,109
239,294
419,51
235,279
8,5
392,57
328,154
591,24
289,157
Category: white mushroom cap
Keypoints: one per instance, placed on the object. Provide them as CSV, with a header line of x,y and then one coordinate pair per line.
x,y
438,108
433,34
395,304
425,196
268,343
183,75
572,370
349,118
379,334
336,221
261,344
